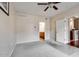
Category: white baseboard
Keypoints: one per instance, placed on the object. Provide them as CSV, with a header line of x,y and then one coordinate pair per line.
x,y
12,50
26,42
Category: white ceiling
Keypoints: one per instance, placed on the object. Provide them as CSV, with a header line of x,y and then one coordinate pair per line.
x,y
33,8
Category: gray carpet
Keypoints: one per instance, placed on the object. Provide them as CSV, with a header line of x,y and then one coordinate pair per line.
x,y
36,49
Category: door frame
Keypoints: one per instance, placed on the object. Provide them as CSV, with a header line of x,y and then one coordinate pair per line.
x,y
39,31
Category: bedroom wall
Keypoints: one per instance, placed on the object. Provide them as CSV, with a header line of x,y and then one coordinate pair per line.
x,y
64,15
27,27
7,32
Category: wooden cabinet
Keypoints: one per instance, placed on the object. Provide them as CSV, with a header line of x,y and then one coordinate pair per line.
x,y
76,23
74,32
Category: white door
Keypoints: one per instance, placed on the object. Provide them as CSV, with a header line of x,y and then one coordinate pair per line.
x,y
62,31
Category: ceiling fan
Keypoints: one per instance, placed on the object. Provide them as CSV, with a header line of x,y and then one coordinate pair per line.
x,y
49,5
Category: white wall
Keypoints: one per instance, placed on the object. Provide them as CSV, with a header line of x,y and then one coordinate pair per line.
x,y
27,27
66,14
7,32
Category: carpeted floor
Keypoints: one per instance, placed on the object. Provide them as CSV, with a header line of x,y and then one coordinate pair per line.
x,y
44,49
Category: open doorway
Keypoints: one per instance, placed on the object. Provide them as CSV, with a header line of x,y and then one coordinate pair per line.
x,y
42,31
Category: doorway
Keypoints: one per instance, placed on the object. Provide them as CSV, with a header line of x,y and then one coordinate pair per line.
x,y
42,31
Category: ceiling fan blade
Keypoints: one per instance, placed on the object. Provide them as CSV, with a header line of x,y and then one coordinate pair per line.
x,y
42,3
56,2
53,2
55,7
46,8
